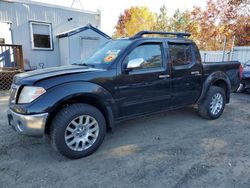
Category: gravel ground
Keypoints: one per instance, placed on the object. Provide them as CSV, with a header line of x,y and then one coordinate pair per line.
x,y
172,149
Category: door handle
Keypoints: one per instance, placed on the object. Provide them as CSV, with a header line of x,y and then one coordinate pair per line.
x,y
195,73
164,76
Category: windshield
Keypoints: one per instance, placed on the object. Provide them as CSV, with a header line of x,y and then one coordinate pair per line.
x,y
107,53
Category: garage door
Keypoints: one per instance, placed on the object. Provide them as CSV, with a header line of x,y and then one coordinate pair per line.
x,y
88,46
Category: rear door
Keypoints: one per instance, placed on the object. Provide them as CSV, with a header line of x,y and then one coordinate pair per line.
x,y
186,73
145,89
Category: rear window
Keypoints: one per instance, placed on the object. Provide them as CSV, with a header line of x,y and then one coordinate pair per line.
x,y
180,54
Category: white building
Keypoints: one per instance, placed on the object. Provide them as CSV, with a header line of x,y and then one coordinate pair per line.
x,y
36,26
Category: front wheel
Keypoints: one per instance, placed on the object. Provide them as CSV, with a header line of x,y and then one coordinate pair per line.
x,y
214,103
78,130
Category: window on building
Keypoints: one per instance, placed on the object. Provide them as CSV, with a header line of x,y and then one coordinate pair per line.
x,y
41,36
180,54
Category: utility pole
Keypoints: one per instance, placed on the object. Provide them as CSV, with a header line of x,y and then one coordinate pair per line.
x,y
232,49
224,48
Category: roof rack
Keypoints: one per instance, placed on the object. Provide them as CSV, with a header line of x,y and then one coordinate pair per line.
x,y
177,34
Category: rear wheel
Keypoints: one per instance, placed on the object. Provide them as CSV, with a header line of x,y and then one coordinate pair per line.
x,y
213,105
78,130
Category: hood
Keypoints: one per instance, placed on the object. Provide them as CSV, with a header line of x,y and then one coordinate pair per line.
x,y
37,75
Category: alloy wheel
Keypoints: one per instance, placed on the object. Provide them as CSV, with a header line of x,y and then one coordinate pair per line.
x,y
81,133
216,103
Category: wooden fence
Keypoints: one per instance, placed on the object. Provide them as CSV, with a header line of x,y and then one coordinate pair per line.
x,y
11,57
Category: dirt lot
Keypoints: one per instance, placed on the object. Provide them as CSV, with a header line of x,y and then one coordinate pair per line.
x,y
172,149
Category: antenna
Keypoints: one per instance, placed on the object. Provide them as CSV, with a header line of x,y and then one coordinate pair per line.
x,y
78,2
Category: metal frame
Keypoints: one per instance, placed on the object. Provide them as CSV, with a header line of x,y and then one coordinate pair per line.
x,y
177,34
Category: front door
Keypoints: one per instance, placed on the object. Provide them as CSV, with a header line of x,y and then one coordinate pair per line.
x,y
145,88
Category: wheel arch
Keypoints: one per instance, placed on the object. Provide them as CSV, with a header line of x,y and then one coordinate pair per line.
x,y
219,79
86,99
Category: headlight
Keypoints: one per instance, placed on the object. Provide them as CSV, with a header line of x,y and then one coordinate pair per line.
x,y
30,93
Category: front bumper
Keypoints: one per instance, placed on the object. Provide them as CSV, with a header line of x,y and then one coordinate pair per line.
x,y
31,125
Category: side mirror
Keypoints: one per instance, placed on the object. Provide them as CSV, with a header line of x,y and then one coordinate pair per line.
x,y
135,63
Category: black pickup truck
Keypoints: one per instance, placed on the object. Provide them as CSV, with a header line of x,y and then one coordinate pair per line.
x,y
150,72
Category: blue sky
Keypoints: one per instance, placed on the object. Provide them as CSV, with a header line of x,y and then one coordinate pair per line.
x,y
110,9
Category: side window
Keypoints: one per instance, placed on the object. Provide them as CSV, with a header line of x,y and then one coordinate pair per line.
x,y
149,54
180,54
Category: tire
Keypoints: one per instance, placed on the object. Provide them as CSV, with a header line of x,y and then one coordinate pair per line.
x,y
72,132
216,96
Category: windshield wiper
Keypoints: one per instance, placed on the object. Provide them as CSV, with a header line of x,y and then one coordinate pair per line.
x,y
84,64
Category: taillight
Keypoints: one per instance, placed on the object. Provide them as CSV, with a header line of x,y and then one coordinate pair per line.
x,y
241,71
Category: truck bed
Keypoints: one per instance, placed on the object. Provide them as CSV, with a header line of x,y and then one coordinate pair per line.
x,y
231,68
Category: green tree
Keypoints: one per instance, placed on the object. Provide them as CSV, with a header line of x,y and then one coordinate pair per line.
x,y
207,35
208,27
180,21
134,20
220,19
162,20
235,19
